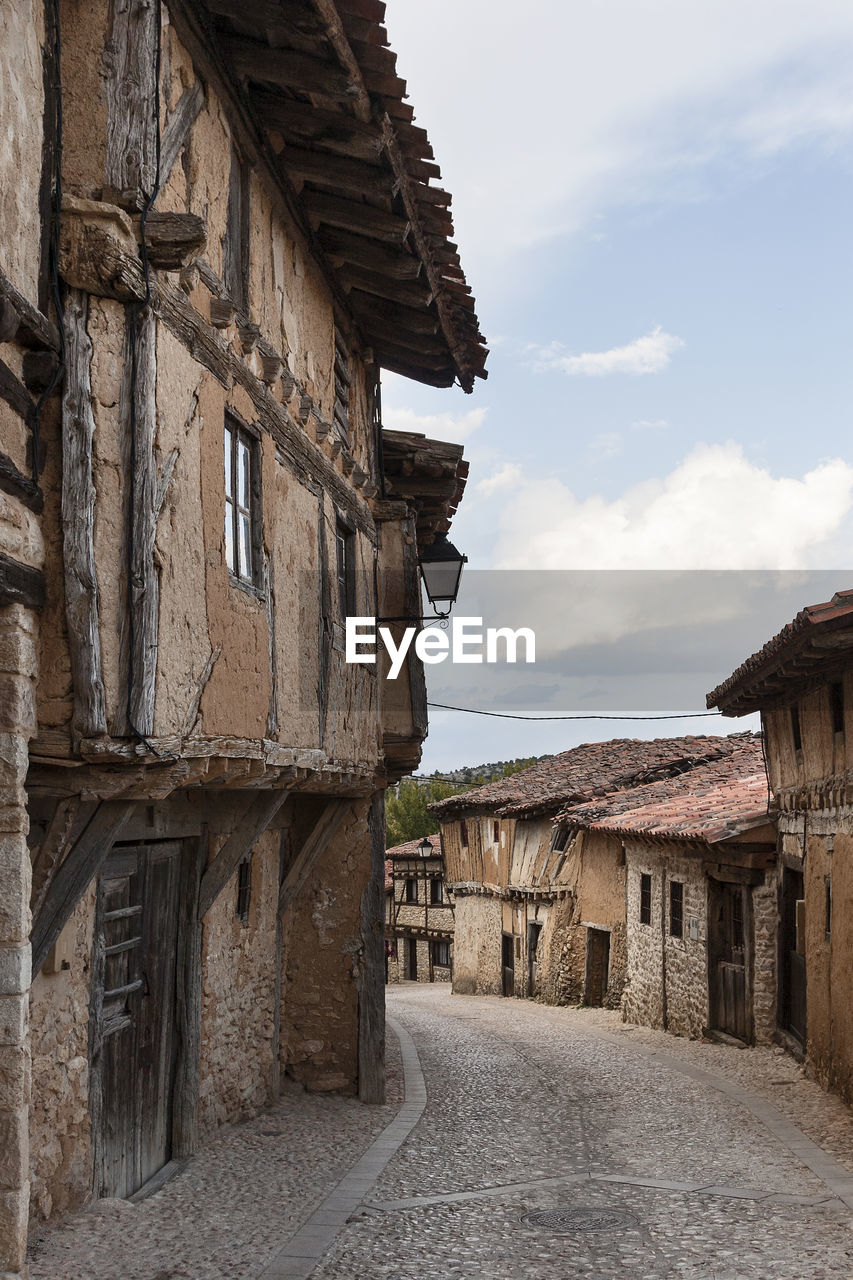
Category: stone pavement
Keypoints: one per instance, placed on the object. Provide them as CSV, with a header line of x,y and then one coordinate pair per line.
x,y
676,1158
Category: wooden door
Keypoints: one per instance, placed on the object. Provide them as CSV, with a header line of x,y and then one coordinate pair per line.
x,y
507,965
136,948
412,959
792,1002
729,959
597,966
534,931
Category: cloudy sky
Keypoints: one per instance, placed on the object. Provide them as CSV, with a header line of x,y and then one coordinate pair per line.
x,y
652,200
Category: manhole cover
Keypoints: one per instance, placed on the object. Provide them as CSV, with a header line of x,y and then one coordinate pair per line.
x,y
580,1219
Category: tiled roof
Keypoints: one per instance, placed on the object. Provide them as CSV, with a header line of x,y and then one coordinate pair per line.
x,y
410,848
712,802
389,875
594,769
767,672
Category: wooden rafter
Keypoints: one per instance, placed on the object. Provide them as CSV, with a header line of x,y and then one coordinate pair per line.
x,y
257,816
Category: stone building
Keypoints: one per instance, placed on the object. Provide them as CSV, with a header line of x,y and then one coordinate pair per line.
x,y
802,683
217,224
699,857
419,913
541,903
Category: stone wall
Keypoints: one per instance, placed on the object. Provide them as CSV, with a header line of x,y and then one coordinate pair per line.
x,y
477,945
238,996
398,964
17,724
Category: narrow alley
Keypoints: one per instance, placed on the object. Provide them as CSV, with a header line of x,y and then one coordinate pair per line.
x,y
549,1143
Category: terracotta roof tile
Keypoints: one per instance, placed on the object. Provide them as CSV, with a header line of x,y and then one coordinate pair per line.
x,y
712,802
594,769
410,848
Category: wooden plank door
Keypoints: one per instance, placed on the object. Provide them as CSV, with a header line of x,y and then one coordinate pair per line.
x,y
597,973
792,1003
730,951
507,965
136,948
412,959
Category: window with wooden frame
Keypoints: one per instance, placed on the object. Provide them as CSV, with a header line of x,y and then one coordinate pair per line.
x,y
496,834
676,909
411,892
836,706
244,889
561,839
242,503
796,733
645,899
463,834
345,568
436,891
440,953
827,908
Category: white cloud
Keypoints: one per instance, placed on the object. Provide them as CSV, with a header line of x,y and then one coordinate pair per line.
x,y
649,354
455,427
715,510
608,444
510,476
618,101
650,424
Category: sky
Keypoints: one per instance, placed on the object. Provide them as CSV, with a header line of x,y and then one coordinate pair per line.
x,y
652,201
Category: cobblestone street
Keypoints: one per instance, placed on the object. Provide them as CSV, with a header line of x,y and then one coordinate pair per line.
x,y
685,1159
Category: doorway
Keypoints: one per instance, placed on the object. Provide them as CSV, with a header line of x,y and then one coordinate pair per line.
x,y
507,965
729,959
597,966
134,1038
412,959
534,932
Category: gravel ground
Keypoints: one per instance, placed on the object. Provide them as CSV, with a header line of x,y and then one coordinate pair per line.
x,y
529,1109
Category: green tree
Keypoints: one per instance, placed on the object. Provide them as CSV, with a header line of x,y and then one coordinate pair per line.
x,y
406,813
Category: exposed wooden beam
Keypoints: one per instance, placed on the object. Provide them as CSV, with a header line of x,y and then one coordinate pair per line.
x,y
130,59
414,296
174,239
33,329
178,125
76,873
371,995
323,831
20,584
367,306
352,215
144,575
360,251
335,130
379,332
19,486
257,61
351,177
13,391
257,816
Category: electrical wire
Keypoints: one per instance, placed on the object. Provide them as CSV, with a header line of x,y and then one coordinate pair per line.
x,y
506,715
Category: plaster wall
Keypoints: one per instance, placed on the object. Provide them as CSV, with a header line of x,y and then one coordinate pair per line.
x,y
477,945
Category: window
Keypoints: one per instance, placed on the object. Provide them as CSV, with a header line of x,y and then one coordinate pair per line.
x,y
795,728
436,891
440,953
345,544
828,907
645,899
676,909
411,889
561,839
463,834
242,503
497,833
244,889
836,704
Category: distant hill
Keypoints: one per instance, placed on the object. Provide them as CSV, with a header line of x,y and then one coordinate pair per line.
x,y
479,773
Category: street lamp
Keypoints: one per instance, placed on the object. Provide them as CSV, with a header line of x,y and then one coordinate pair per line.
x,y
425,847
441,570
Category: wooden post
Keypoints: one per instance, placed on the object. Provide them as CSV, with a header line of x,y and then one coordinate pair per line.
x,y
130,62
259,813
78,523
144,576
188,980
321,834
371,1002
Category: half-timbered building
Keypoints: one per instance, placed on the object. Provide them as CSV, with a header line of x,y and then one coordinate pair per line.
x,y
218,223
419,913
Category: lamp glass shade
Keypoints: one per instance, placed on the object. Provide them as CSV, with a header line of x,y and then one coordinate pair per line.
x,y
425,847
441,570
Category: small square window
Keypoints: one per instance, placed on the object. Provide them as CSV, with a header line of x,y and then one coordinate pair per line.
x,y
497,833
645,899
440,953
345,544
244,889
411,889
242,503
676,909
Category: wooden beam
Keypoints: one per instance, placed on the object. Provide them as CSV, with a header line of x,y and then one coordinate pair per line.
x,y
378,331
130,62
13,391
353,215
366,305
258,61
20,486
20,584
76,873
78,524
144,574
335,130
360,251
321,834
178,125
174,239
351,177
33,329
415,296
257,816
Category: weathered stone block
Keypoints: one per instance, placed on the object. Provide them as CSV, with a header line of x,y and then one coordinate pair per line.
x,y
14,1149
17,653
15,970
14,1014
15,1073
14,1213
15,877
17,704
